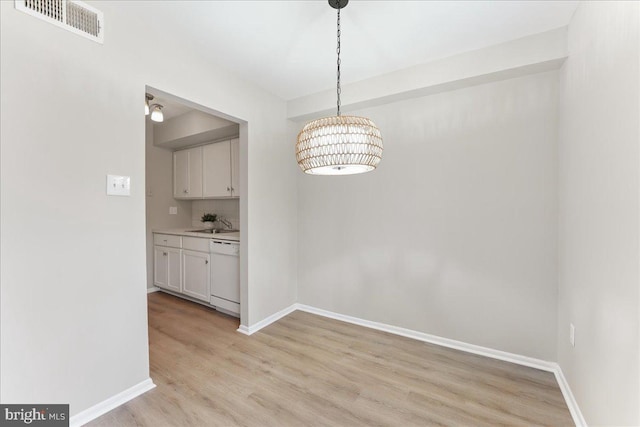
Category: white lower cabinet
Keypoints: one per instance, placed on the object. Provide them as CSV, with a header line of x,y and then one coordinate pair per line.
x,y
196,274
167,268
182,264
185,265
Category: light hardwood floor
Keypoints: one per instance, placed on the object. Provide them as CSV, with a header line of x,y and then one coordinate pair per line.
x,y
306,370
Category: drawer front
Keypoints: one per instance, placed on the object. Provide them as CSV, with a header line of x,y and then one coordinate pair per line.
x,y
196,244
167,240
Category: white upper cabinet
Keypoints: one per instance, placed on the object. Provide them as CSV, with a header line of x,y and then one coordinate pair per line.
x,y
210,171
180,174
235,167
187,174
217,170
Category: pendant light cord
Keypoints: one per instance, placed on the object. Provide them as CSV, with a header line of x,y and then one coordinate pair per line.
x,y
338,52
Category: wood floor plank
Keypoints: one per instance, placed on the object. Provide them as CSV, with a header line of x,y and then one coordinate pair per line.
x,y
306,370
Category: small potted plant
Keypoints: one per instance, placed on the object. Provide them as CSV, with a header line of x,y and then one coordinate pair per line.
x,y
208,219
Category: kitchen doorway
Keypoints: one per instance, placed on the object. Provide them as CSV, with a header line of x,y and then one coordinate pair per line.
x,y
196,202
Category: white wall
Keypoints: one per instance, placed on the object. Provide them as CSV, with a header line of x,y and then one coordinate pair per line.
x,y
159,194
73,285
455,233
599,140
527,55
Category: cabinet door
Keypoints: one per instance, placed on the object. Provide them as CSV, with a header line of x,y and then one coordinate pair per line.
x,y
181,174
195,172
174,276
196,274
160,266
166,268
235,167
216,159
187,173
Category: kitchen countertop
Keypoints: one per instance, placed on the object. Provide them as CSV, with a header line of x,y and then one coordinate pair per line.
x,y
190,233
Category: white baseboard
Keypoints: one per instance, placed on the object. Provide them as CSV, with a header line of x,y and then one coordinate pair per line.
x,y
434,339
153,289
113,402
248,330
243,330
518,359
123,397
576,414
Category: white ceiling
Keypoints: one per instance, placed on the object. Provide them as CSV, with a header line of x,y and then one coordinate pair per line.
x,y
288,47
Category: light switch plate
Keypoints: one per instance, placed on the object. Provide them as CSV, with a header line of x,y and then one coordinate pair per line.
x,y
173,210
118,185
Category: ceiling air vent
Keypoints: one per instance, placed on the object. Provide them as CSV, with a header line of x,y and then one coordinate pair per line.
x,y
72,15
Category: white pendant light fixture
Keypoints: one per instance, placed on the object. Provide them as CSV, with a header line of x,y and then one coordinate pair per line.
x,y
339,145
156,113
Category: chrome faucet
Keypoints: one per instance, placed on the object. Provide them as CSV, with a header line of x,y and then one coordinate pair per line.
x,y
225,223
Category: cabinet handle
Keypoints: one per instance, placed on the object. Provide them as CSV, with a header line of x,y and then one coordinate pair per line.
x,y
233,189
228,188
186,191
164,253
206,261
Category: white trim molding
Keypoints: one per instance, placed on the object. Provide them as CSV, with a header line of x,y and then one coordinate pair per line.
x,y
113,402
518,359
434,339
152,289
576,414
248,330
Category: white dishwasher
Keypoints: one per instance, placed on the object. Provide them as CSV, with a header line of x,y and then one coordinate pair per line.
x,y
225,276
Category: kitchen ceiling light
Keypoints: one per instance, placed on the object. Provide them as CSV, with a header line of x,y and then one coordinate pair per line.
x,y
147,97
339,145
156,113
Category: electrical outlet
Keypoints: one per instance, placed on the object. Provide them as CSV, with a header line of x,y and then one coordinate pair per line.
x,y
173,210
572,335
